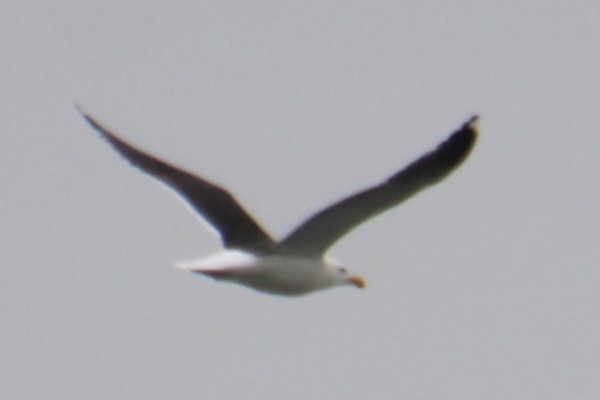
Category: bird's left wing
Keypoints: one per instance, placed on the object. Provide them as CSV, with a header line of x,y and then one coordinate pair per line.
x,y
220,209
313,237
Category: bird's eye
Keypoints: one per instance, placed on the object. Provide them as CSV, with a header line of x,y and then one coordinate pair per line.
x,y
343,270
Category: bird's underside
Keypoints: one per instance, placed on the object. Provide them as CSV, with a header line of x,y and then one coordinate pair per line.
x,y
274,274
312,238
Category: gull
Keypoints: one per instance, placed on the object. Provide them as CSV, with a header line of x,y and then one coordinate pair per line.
x,y
296,265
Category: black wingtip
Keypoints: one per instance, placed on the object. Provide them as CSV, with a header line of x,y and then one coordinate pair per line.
x,y
473,119
90,120
466,136
471,124
84,113
455,149
104,132
77,107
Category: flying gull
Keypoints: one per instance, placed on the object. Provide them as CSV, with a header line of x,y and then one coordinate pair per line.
x,y
297,264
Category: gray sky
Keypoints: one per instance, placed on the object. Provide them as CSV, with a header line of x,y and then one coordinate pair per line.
x,y
484,287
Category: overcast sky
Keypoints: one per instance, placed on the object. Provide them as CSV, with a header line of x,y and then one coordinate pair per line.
x,y
483,287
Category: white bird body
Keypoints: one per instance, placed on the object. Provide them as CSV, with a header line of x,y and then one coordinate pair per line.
x,y
296,264
274,274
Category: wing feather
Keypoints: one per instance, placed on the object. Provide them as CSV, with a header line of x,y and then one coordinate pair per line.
x,y
313,237
216,205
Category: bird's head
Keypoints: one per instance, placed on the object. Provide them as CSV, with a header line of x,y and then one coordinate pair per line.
x,y
341,276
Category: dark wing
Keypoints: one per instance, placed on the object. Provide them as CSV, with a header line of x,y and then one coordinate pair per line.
x,y
322,230
218,207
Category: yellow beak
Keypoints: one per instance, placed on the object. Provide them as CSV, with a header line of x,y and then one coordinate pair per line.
x,y
357,281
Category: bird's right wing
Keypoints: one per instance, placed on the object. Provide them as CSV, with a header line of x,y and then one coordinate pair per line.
x,y
220,209
313,237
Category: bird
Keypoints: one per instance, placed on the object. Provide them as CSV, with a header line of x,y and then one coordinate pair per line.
x,y
297,264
